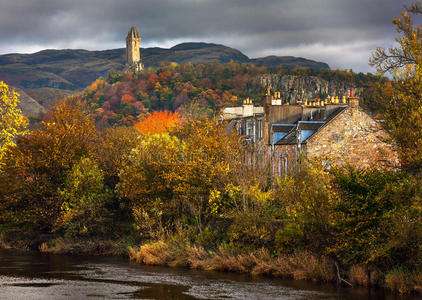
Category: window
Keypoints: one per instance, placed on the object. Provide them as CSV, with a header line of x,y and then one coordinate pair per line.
x,y
305,134
282,165
240,127
259,129
248,128
277,136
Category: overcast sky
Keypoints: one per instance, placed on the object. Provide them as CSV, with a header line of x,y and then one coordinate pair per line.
x,y
340,32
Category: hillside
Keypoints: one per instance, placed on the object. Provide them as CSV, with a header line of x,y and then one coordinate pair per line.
x,y
51,74
29,106
124,98
289,62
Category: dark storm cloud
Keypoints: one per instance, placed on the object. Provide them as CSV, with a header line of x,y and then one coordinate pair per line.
x,y
339,32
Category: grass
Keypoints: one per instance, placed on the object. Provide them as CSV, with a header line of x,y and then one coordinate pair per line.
x,y
155,253
301,266
403,281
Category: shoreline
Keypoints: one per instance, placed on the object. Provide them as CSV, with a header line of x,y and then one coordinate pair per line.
x,y
298,266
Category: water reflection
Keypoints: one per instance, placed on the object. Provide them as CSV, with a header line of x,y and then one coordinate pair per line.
x,y
31,275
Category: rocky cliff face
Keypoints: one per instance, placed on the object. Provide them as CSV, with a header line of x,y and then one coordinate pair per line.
x,y
292,87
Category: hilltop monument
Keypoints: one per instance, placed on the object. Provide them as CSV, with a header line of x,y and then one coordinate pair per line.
x,y
133,56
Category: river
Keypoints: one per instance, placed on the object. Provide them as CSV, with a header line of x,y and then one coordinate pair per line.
x,y
33,275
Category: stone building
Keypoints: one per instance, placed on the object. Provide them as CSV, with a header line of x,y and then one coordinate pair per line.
x,y
133,55
336,131
246,119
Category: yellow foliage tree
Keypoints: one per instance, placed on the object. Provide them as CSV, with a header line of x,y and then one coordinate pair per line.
x,y
12,122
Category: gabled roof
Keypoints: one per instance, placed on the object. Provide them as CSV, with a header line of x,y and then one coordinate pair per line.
x,y
289,139
306,128
306,131
280,131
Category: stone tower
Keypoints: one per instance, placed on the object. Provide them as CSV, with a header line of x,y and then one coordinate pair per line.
x,y
133,56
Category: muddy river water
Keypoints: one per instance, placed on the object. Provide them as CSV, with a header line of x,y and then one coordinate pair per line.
x,y
33,275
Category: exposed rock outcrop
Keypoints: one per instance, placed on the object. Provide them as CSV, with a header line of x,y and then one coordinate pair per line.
x,y
292,87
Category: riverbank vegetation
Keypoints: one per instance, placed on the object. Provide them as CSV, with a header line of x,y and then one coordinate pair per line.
x,y
176,189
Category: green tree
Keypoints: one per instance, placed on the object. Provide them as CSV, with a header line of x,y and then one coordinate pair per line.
x,y
378,218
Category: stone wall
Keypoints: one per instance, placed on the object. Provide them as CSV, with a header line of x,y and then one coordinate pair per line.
x,y
281,154
353,137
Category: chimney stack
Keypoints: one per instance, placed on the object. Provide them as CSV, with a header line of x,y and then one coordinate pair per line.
x,y
353,100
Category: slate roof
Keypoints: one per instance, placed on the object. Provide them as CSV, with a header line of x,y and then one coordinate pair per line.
x,y
306,128
280,131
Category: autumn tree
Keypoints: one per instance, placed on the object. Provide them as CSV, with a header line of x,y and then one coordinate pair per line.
x,y
211,159
36,167
12,122
408,51
84,198
170,176
111,149
402,100
195,111
128,99
158,122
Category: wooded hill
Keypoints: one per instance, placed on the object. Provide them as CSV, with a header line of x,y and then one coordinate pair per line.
x,y
51,74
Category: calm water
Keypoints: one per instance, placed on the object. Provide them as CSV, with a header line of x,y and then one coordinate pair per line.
x,y
31,275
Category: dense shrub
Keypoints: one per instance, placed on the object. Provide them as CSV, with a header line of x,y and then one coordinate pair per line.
x,y
288,239
379,218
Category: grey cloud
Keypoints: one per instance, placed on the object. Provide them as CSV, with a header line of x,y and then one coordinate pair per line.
x,y
312,28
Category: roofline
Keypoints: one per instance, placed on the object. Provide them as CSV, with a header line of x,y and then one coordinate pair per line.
x,y
319,129
324,123
312,122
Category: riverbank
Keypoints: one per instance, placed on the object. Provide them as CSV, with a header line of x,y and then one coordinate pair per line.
x,y
35,275
48,243
301,266
298,266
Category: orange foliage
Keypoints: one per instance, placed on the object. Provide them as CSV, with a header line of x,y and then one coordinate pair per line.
x,y
158,122
164,77
152,79
128,99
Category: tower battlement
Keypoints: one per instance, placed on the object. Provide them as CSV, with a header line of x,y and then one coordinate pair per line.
x,y
133,55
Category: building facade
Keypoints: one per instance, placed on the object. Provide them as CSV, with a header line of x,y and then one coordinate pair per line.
x,y
336,131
